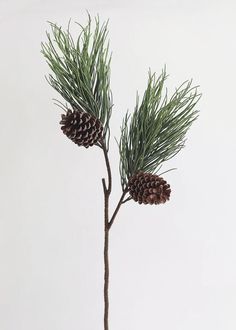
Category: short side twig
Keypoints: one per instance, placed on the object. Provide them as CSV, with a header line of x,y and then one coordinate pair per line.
x,y
117,208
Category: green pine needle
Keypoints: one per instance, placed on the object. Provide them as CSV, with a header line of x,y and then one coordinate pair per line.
x,y
156,130
81,68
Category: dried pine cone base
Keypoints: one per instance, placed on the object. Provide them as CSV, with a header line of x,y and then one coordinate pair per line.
x,y
81,127
148,188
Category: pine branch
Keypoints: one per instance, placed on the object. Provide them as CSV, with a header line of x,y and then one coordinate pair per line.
x,y
154,133
81,69
156,130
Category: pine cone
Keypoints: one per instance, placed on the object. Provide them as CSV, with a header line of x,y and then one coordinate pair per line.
x,y
148,188
81,127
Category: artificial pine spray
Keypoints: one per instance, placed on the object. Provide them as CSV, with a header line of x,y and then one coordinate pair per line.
x,y
152,134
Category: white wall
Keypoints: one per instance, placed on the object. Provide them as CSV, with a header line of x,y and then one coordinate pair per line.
x,y
173,267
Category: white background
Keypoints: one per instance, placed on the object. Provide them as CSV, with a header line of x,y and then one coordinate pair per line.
x,y
173,267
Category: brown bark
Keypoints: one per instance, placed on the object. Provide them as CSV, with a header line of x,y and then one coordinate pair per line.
x,y
106,256
107,226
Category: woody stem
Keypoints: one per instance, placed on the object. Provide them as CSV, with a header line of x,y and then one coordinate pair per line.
x,y
107,192
107,225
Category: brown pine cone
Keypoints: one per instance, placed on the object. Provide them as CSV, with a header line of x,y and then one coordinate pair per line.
x,y
148,188
81,127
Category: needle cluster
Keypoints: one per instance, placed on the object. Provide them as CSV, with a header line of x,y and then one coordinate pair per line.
x,y
81,68
156,130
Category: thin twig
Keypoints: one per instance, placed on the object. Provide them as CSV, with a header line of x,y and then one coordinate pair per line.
x,y
117,208
127,200
107,166
104,185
